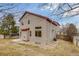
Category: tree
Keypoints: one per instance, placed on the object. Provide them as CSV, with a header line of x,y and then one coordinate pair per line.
x,y
71,31
8,25
15,30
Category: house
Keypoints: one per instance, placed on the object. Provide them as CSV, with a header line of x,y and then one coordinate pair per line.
x,y
37,28
76,38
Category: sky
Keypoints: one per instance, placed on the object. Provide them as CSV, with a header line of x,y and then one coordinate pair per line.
x,y
35,8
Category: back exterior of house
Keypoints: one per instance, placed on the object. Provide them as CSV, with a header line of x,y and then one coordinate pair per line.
x,y
38,29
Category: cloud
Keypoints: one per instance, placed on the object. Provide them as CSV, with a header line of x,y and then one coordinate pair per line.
x,y
72,12
50,6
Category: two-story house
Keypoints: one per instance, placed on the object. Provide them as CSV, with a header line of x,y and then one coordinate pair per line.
x,y
37,28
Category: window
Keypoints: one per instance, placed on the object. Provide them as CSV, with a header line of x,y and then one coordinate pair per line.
x,y
54,39
53,30
38,33
22,23
20,33
28,21
30,33
37,27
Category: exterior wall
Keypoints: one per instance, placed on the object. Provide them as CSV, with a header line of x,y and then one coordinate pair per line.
x,y
52,32
46,28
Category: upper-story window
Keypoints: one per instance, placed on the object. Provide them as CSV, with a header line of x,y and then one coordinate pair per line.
x,y
37,27
28,21
22,23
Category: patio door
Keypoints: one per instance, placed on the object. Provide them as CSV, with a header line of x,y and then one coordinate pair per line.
x,y
25,36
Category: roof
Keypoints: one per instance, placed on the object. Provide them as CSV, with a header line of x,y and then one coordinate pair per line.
x,y
48,19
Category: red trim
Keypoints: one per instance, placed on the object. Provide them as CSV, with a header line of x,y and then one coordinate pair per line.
x,y
25,29
49,20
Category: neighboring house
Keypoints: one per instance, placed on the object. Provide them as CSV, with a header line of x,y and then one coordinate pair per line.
x,y
37,28
76,38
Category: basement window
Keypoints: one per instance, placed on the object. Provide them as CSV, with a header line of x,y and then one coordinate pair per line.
x,y
54,39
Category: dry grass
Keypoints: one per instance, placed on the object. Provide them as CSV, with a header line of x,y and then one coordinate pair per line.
x,y
8,48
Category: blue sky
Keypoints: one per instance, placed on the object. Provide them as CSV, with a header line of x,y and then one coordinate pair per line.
x,y
33,7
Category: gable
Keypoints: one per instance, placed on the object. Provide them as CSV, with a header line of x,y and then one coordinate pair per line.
x,y
46,18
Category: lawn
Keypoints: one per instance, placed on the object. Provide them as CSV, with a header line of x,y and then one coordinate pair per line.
x,y
8,48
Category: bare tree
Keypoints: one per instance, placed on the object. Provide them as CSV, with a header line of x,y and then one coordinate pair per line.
x,y
71,31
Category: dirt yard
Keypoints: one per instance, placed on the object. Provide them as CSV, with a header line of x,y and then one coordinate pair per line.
x,y
8,48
